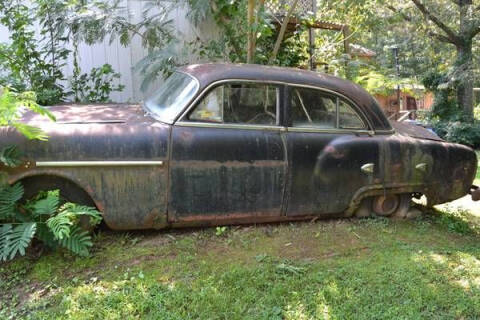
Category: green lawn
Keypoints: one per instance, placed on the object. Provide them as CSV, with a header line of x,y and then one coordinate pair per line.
x,y
338,269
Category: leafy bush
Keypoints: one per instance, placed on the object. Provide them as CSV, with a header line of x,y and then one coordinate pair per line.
x,y
30,64
459,132
97,85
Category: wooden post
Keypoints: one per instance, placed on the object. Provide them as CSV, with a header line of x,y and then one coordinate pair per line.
x,y
311,47
346,40
250,33
281,33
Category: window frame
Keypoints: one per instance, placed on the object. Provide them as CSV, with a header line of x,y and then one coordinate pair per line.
x,y
361,115
280,93
283,105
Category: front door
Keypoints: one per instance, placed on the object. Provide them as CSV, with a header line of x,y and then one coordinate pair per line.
x,y
228,157
328,145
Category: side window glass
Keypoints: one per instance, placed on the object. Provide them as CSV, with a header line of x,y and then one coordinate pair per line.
x,y
313,109
348,117
210,108
238,103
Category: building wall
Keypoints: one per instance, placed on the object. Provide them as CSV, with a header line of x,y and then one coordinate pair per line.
x,y
424,101
123,59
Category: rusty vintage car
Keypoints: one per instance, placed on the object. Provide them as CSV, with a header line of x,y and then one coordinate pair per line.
x,y
222,144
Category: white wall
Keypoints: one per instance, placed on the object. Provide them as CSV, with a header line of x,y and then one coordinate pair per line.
x,y
123,59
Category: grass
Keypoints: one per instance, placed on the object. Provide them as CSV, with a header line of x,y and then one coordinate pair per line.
x,y
337,269
342,269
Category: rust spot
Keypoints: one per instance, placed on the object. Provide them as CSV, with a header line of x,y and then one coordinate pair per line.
x,y
197,164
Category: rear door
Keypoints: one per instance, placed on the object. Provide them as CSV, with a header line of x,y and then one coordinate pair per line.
x,y
228,159
331,152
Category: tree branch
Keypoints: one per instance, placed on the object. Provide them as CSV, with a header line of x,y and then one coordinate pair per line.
x,y
440,37
402,14
476,30
451,35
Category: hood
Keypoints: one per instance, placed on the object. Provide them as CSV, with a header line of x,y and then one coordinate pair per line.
x,y
89,114
414,131
92,132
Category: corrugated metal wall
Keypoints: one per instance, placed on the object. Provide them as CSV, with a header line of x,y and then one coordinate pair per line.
x,y
123,59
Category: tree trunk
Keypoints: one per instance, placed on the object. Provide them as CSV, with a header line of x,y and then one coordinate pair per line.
x,y
250,33
464,65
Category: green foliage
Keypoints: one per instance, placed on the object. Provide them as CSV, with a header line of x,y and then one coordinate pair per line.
x,y
41,57
78,241
19,222
97,85
10,156
9,196
446,117
220,231
466,133
96,21
375,81
11,104
57,225
457,221
230,18
15,239
45,203
30,64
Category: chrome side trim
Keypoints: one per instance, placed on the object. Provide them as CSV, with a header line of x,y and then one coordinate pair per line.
x,y
46,164
229,126
330,130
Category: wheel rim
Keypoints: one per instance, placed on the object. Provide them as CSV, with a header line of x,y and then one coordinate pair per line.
x,y
386,205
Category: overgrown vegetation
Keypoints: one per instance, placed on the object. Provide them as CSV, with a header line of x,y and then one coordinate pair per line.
x,y
35,61
46,217
447,119
43,218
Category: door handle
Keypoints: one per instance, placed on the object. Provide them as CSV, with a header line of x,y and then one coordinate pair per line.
x,y
368,168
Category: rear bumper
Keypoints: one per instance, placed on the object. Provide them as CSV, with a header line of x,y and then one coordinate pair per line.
x,y
475,192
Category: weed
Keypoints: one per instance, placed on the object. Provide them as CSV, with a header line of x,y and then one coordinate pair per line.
x,y
221,231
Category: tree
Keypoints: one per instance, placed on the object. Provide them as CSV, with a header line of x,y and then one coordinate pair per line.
x,y
461,35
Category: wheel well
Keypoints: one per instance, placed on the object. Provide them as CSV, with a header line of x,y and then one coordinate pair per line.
x,y
369,192
69,190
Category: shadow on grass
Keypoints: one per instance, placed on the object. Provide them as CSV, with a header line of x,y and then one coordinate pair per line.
x,y
455,220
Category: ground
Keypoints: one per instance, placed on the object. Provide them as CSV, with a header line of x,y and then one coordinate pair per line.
x,y
336,269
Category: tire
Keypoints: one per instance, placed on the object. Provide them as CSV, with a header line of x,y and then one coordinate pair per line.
x,y
392,205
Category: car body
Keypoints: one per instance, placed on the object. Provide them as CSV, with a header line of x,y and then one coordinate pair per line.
x,y
229,143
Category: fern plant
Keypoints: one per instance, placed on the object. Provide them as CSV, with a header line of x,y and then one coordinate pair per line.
x,y
43,218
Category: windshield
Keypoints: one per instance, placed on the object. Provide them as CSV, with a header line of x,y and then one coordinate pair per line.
x,y
172,97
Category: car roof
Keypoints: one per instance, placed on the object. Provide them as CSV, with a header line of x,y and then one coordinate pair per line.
x,y
213,72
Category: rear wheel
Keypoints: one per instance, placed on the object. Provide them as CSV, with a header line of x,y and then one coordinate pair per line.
x,y
388,205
